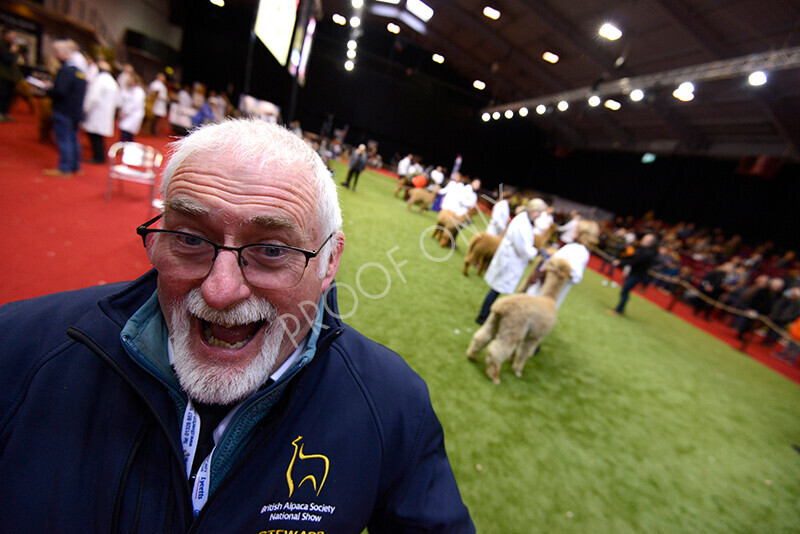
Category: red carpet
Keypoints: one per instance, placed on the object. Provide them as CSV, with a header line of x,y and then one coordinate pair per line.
x,y
61,234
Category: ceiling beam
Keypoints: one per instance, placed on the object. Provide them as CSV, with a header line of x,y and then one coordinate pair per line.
x,y
684,18
685,132
776,113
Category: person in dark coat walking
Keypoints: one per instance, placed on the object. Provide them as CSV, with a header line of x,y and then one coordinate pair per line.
x,y
358,162
640,263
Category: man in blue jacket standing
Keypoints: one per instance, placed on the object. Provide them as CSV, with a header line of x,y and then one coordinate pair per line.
x,y
220,392
67,93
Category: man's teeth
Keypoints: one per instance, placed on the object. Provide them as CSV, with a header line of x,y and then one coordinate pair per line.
x,y
214,342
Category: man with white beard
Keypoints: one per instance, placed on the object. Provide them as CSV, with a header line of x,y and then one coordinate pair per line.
x,y
220,392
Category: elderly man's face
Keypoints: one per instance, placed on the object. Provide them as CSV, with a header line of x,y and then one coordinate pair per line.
x,y
233,335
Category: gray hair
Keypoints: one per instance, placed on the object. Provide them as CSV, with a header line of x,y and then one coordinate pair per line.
x,y
264,145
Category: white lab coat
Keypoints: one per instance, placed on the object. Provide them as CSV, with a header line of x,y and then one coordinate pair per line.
x,y
459,198
403,166
569,230
160,103
543,223
453,193
132,101
516,250
501,213
100,105
577,256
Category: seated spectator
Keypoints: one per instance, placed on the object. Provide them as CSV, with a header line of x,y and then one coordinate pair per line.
x,y
757,300
792,350
615,245
785,310
668,264
712,287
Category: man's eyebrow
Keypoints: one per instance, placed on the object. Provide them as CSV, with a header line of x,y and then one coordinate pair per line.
x,y
185,206
274,221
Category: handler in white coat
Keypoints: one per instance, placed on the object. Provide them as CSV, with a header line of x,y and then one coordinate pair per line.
x,y
577,255
516,250
131,108
99,108
501,214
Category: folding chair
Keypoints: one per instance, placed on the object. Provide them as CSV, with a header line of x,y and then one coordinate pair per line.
x,y
133,162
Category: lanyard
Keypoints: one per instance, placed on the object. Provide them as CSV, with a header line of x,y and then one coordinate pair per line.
x,y
189,438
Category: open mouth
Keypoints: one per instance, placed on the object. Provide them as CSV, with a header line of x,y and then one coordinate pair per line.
x,y
229,337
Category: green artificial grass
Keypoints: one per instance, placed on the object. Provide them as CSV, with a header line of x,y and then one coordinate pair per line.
x,y
637,424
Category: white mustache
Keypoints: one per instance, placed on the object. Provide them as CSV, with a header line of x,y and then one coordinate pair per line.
x,y
252,310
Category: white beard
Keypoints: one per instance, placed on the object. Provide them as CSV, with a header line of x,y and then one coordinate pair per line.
x,y
223,383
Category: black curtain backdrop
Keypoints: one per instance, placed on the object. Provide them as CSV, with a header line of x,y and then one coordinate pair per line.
x,y
407,103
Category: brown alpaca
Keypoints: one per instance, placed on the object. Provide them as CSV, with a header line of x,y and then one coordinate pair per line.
x,y
423,197
481,250
518,323
448,224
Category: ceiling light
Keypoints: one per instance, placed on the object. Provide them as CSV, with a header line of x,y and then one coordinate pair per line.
x,y
348,65
479,85
496,115
220,3
491,13
509,114
540,109
759,77
393,28
339,19
594,101
438,58
523,112
563,105
648,157
612,104
684,92
637,95
550,57
420,9
355,22
390,1
357,4
486,117
610,32
351,44
351,54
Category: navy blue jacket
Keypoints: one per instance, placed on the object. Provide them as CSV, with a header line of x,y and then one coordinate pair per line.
x,y
89,440
68,91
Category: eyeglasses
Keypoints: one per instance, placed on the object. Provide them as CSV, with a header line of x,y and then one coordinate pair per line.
x,y
189,256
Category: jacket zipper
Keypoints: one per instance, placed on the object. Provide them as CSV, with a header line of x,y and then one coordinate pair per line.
x,y
86,340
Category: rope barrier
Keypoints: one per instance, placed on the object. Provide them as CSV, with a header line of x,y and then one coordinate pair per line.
x,y
769,323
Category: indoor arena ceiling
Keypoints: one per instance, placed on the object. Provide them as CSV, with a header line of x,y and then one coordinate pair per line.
x,y
715,44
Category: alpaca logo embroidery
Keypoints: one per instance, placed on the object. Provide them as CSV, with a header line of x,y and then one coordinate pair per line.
x,y
309,462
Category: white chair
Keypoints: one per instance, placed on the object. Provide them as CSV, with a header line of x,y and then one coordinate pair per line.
x,y
133,162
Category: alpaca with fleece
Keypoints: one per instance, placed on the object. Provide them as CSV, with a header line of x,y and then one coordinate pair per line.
x,y
518,323
448,224
481,251
423,197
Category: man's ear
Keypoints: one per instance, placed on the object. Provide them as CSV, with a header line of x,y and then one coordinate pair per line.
x,y
337,242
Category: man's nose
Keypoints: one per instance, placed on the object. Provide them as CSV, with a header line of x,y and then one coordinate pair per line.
x,y
225,285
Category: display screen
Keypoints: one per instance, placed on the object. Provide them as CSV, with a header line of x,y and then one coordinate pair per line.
x,y
275,22
301,50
